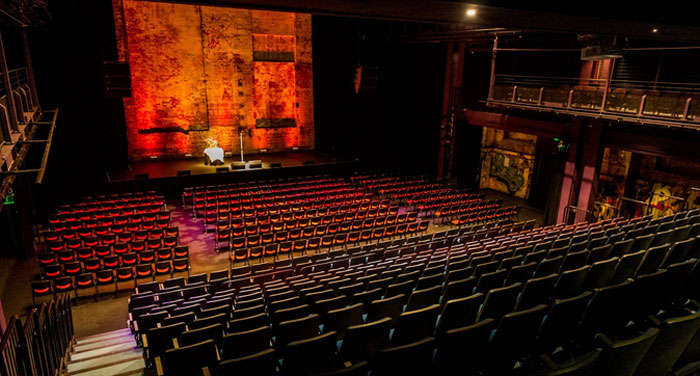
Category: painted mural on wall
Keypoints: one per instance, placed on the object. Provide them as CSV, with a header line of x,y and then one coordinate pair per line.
x,y
507,161
614,168
200,72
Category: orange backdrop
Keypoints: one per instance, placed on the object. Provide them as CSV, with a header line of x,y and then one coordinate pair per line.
x,y
200,72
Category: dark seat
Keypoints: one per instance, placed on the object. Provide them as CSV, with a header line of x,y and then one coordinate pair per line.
x,y
679,252
423,298
559,325
459,312
415,325
464,348
521,273
339,319
189,360
293,330
459,288
653,258
238,344
571,282
248,322
311,356
641,243
674,336
361,342
622,357
410,359
600,253
491,280
214,332
549,266
357,369
536,291
263,363
622,247
627,266
499,302
660,238
601,273
159,339
388,307
582,365
515,337
575,260
608,311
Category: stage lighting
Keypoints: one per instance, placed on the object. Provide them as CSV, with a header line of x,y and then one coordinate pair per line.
x,y
471,12
655,30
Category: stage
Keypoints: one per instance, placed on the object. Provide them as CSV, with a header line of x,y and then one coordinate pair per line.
x,y
157,169
162,175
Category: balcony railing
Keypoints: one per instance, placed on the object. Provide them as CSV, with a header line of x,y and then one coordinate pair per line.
x,y
666,103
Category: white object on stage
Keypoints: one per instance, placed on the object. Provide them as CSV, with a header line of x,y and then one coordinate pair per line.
x,y
215,154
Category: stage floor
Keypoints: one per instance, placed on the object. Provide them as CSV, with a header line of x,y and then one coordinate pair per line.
x,y
168,168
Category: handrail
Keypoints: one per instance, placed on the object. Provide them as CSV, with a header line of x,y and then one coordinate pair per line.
x,y
40,344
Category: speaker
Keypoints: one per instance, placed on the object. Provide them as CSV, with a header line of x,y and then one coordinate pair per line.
x,y
117,79
238,165
256,163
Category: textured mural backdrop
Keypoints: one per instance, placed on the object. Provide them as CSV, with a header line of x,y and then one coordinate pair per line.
x,y
200,72
507,161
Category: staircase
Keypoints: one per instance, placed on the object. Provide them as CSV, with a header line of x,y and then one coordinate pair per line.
x,y
112,353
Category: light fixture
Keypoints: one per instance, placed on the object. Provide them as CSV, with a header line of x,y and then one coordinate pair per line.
x,y
471,12
655,30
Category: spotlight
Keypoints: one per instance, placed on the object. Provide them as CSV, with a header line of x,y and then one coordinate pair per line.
x,y
655,30
471,12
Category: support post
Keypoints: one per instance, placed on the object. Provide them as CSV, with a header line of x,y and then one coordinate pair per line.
x,y
12,110
611,68
457,80
446,93
492,80
29,67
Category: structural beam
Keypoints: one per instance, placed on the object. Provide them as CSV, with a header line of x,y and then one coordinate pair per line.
x,y
444,12
4,71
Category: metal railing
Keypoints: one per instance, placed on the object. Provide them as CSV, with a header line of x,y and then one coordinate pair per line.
x,y
644,101
18,77
38,343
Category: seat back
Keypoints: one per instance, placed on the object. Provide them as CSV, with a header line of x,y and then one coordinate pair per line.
x,y
536,291
622,357
451,344
499,301
571,282
415,325
674,336
189,360
460,312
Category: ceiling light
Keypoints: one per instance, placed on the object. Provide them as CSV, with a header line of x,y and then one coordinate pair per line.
x,y
655,30
471,12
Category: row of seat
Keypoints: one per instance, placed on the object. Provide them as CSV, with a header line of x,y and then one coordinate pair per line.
x,y
588,234
357,220
78,279
244,248
58,265
129,220
426,314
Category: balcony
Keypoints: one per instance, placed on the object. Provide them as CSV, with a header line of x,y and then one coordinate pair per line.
x,y
661,103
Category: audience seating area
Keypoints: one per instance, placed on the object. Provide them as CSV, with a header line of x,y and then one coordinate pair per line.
x,y
318,213
608,298
107,240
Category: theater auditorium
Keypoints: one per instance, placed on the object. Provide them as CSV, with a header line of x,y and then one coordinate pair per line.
x,y
349,187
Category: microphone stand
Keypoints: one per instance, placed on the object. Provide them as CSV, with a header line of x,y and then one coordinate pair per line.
x,y
240,137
